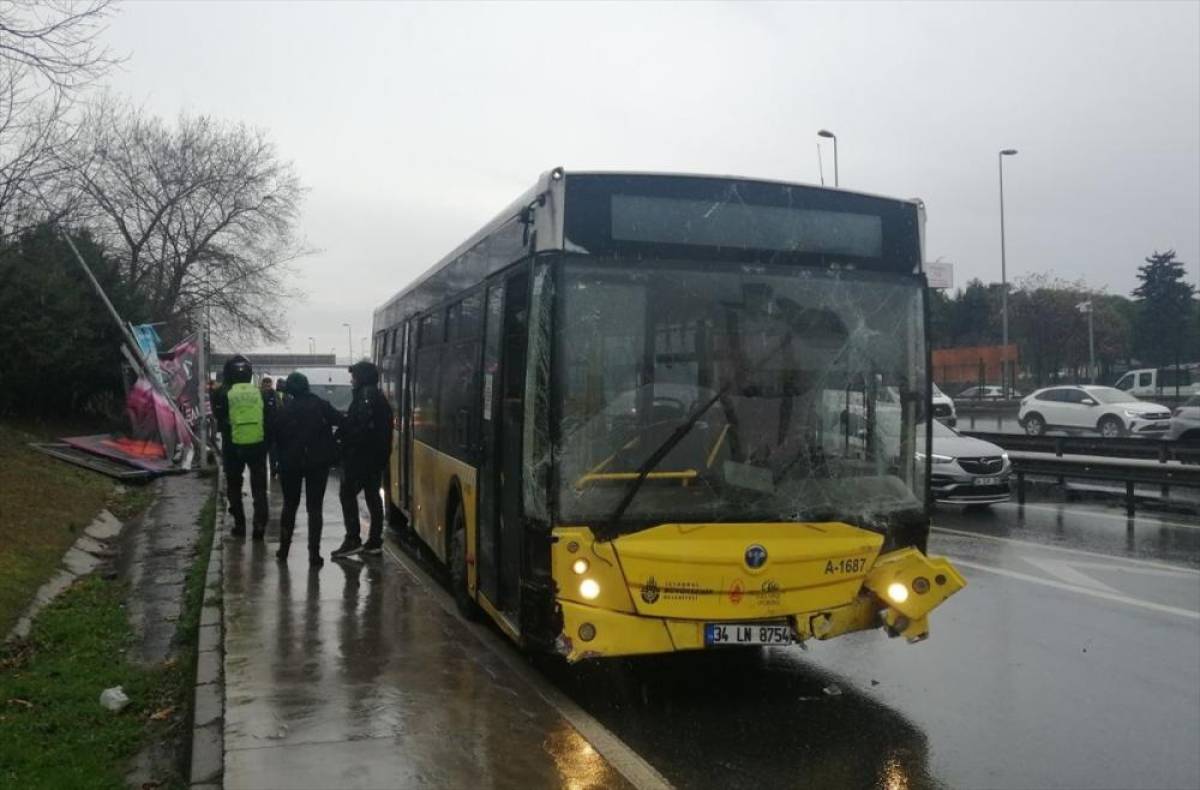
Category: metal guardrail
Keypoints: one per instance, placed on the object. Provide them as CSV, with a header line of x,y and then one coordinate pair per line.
x,y
1126,447
1132,473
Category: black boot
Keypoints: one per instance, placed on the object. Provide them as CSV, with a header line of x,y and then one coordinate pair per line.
x,y
258,533
282,552
350,547
238,531
314,558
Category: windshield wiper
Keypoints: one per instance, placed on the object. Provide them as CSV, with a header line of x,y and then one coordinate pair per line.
x,y
611,528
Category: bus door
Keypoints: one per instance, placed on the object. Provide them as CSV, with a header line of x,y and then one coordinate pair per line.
x,y
403,420
498,561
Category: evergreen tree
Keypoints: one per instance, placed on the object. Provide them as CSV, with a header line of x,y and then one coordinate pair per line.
x,y
62,351
1163,330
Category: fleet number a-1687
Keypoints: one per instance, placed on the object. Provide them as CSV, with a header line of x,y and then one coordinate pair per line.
x,y
855,565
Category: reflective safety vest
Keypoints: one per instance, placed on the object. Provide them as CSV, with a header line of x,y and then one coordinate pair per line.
x,y
246,414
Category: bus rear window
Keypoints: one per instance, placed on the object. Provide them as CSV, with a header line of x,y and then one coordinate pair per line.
x,y
642,218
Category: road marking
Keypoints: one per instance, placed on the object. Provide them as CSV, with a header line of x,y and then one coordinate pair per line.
x,y
1063,571
1099,514
1081,552
1117,597
636,770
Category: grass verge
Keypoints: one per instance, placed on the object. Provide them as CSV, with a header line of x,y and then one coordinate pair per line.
x,y
44,505
53,731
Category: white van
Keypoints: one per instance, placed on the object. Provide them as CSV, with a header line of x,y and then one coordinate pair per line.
x,y
332,384
1159,381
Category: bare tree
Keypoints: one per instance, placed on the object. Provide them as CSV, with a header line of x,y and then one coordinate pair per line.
x,y
201,213
48,52
55,41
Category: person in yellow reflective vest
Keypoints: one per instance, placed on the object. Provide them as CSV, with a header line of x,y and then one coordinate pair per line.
x,y
245,433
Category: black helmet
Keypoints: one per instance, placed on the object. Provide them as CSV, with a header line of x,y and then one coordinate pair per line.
x,y
238,370
365,373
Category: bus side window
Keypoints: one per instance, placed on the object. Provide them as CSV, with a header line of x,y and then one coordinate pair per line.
x,y
460,377
425,383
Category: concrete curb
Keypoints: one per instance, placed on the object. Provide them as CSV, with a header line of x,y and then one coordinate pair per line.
x,y
208,709
87,553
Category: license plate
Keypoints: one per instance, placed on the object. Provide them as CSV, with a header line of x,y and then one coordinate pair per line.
x,y
987,481
747,634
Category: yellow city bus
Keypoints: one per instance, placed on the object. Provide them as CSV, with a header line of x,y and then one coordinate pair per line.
x,y
642,413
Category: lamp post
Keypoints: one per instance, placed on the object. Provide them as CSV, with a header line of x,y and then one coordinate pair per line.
x,y
832,136
1088,307
349,344
1004,367
312,345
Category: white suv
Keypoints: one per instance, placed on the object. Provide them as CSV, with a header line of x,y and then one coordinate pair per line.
x,y
1111,412
943,407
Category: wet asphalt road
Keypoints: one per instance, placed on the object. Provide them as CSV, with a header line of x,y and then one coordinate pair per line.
x,y
1071,660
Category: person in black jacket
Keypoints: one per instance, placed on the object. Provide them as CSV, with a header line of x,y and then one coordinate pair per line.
x,y
271,404
307,448
366,443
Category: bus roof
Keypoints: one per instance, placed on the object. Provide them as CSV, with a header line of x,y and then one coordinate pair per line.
x,y
551,237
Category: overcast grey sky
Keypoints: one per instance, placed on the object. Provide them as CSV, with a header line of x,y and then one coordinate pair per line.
x,y
414,124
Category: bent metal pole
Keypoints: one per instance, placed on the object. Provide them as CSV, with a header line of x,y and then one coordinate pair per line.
x,y
130,341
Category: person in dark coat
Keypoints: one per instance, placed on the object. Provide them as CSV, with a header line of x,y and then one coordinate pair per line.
x,y
245,425
307,448
366,443
271,402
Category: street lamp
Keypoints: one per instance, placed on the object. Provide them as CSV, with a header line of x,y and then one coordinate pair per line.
x,y
349,343
312,345
1088,307
1003,276
832,136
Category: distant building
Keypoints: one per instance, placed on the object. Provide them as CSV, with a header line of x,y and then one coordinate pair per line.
x,y
273,362
965,366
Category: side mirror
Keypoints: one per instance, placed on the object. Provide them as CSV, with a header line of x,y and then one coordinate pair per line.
x,y
1088,402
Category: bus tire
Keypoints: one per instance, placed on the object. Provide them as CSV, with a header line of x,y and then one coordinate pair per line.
x,y
458,563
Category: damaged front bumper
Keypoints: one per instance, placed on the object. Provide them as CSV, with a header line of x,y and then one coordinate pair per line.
x,y
898,592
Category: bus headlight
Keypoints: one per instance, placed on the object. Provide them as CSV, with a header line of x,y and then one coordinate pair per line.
x,y
590,589
897,592
580,567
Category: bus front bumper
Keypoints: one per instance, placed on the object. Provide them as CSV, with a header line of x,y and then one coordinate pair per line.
x,y
898,593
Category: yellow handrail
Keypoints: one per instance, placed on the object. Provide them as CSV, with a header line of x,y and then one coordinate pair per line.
x,y
684,475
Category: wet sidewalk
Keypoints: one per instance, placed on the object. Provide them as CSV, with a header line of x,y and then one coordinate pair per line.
x,y
357,676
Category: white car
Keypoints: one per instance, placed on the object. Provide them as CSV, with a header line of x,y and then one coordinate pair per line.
x,y
967,471
1111,412
1185,423
986,392
943,407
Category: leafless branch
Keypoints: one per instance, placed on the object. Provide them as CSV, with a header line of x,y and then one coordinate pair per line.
x,y
202,212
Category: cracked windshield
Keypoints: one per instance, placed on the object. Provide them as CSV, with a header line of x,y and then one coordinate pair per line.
x,y
783,375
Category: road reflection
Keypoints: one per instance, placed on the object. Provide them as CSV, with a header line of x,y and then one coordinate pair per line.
x,y
744,718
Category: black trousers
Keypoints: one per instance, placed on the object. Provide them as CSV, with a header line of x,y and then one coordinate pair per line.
x,y
238,458
368,481
313,481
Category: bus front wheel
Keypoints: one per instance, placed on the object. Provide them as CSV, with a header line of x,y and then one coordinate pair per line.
x,y
458,564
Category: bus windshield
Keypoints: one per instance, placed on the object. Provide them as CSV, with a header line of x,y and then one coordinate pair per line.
x,y
812,380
